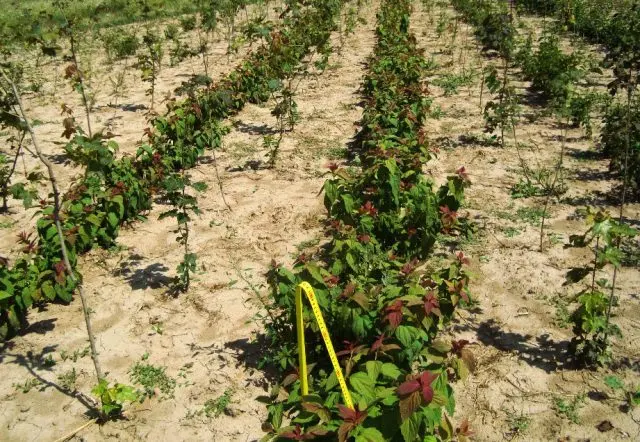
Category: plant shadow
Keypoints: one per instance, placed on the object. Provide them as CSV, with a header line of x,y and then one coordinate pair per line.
x,y
254,129
152,276
541,352
35,363
248,353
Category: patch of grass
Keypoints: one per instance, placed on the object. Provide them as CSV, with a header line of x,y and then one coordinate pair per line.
x,y
151,378
7,224
531,215
562,317
518,423
450,83
510,232
569,408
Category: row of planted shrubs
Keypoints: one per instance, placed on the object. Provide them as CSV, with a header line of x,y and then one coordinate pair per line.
x,y
115,191
384,304
554,74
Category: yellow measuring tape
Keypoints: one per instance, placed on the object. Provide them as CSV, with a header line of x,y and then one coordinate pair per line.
x,y
304,380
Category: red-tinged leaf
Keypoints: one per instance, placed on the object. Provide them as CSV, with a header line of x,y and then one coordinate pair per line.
x,y
361,299
409,404
464,429
408,387
317,431
343,431
388,347
427,393
394,314
290,379
462,259
347,413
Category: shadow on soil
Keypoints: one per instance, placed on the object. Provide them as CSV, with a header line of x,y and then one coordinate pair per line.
x,y
36,364
152,276
541,352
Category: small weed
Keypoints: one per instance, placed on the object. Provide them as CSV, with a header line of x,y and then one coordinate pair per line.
x,y
215,407
7,224
337,153
555,238
77,354
510,232
450,83
307,244
531,215
569,409
562,316
152,378
158,328
28,385
518,423
436,112
502,214
68,380
525,189
48,361
614,382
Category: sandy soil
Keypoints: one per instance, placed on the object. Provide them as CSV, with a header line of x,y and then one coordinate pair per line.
x,y
206,338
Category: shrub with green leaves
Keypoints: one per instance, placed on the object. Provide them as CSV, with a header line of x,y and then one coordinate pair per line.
x,y
591,320
383,308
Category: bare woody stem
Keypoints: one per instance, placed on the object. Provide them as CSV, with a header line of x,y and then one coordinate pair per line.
x,y
56,218
85,101
625,183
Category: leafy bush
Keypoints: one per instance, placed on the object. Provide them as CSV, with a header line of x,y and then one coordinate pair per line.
x,y
382,219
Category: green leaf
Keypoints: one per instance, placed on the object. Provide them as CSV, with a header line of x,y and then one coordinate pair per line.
x,y
370,435
410,427
390,370
373,369
363,385
49,292
405,335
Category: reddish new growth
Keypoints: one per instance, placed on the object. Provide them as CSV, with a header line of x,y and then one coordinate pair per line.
x,y
409,267
431,304
332,166
448,218
463,175
60,272
364,239
458,288
369,209
331,280
352,418
463,260
350,347
421,383
393,314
